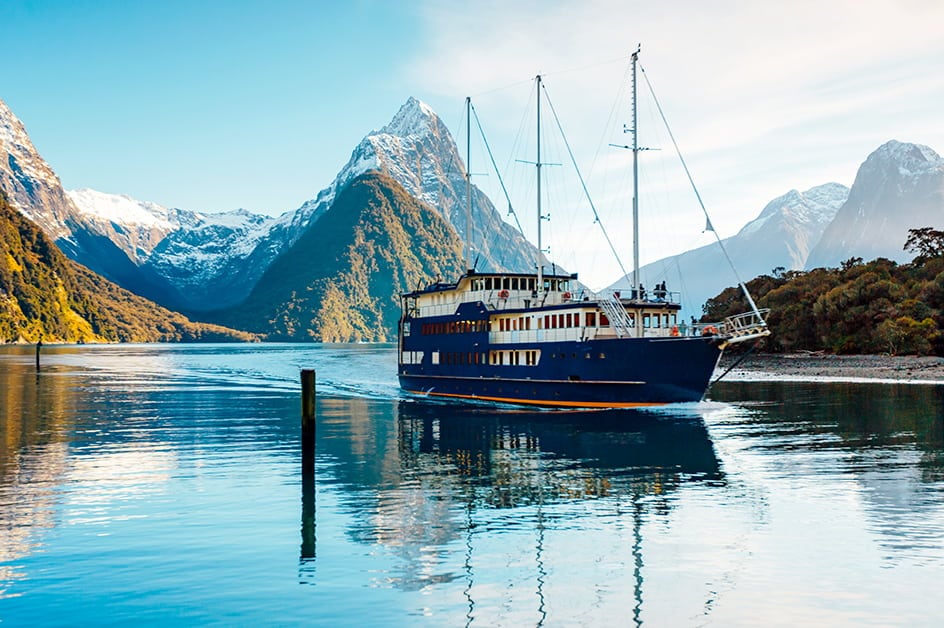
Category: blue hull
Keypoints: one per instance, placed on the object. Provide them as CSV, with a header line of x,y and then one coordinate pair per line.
x,y
600,373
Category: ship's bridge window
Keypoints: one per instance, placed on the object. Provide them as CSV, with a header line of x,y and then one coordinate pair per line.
x,y
646,320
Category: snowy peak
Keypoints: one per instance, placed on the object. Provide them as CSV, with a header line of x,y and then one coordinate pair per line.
x,y
900,161
913,157
122,209
27,180
413,119
812,209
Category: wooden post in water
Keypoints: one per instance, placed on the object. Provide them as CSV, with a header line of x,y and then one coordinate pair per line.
x,y
308,464
39,345
308,421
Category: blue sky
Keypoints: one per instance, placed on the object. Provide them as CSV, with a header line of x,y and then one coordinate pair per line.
x,y
211,105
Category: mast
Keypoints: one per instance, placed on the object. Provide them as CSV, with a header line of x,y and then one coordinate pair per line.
x,y
537,163
635,282
468,183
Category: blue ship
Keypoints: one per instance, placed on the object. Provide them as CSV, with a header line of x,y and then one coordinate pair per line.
x,y
497,337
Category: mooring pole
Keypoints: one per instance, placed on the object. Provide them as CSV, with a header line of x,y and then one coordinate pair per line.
x,y
308,464
308,421
39,345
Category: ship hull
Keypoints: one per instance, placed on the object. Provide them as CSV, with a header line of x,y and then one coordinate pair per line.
x,y
617,372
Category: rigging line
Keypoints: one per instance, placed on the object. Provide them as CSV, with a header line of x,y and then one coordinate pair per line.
x,y
488,149
738,361
584,185
587,66
698,196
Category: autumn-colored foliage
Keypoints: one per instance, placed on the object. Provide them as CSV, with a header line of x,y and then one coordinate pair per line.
x,y
874,307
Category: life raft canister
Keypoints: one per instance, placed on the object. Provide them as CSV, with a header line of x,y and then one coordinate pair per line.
x,y
711,330
566,296
503,294
675,331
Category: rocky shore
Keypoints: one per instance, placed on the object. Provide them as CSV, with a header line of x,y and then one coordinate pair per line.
x,y
823,367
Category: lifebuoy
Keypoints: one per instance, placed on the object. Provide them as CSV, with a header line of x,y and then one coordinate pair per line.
x,y
711,330
566,296
675,331
503,294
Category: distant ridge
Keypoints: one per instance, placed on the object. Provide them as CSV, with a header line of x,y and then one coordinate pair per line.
x,y
782,236
900,186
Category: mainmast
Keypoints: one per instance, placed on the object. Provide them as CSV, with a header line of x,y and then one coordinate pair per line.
x,y
468,182
537,163
635,282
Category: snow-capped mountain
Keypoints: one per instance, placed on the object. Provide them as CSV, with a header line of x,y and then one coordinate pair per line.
x,y
781,236
417,150
900,186
204,256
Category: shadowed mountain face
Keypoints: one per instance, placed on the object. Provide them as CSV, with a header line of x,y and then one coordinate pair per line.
x,y
900,186
341,279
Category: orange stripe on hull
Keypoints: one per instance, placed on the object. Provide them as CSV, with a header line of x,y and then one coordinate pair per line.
x,y
555,404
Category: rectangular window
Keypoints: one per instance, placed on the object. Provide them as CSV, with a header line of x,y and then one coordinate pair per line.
x,y
591,319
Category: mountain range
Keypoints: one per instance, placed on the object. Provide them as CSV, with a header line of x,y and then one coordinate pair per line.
x,y
285,277
193,261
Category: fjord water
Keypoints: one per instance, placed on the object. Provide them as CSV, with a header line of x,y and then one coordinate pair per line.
x,y
158,484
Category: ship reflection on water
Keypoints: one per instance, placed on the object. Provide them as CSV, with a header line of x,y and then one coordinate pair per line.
x,y
522,458
511,490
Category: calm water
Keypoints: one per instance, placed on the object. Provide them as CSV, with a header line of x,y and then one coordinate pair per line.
x,y
161,484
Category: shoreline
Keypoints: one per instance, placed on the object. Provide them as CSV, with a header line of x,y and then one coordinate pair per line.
x,y
827,367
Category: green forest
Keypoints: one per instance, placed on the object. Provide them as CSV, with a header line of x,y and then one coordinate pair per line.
x,y
858,308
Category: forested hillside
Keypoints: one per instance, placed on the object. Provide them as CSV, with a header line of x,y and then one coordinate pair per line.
x,y
341,280
45,296
874,307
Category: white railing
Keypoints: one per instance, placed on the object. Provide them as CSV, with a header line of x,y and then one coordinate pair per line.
x,y
619,319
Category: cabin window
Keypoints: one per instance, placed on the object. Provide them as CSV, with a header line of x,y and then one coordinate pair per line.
x,y
560,320
591,319
435,357
570,320
646,320
504,283
604,321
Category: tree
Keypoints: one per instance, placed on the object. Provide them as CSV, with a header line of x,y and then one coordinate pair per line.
x,y
926,243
